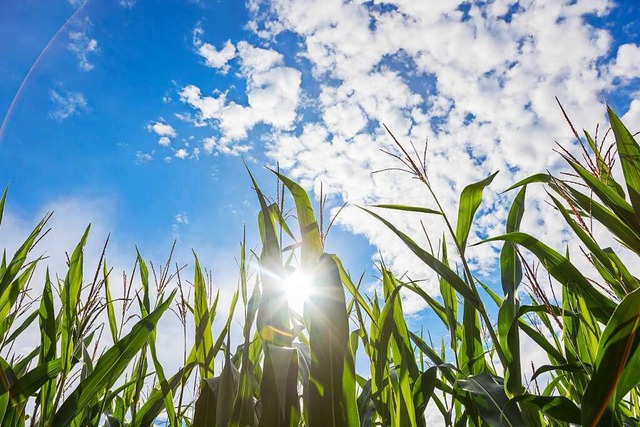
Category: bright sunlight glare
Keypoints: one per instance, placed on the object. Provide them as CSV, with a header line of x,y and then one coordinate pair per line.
x,y
298,287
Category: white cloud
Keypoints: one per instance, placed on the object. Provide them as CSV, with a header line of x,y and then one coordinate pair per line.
x,y
181,153
142,157
67,103
77,3
480,87
82,45
182,218
632,117
273,96
213,145
127,4
627,63
214,58
164,131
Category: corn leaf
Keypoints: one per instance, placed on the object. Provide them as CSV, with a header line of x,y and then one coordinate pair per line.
x,y
629,153
110,366
617,365
470,200
332,394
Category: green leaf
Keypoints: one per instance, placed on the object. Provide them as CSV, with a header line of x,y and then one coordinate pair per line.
x,y
3,199
154,403
440,268
492,402
629,153
312,247
278,389
563,271
110,366
20,329
29,384
202,320
604,172
511,276
470,200
111,314
48,340
617,365
559,407
70,298
450,300
227,389
204,414
166,388
609,196
408,208
351,287
567,367
332,394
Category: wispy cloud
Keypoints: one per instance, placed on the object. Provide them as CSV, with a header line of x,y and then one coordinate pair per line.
x,y
127,4
76,3
82,45
180,221
182,218
67,103
142,157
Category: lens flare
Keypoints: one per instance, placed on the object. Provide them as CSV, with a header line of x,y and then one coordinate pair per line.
x,y
26,79
297,286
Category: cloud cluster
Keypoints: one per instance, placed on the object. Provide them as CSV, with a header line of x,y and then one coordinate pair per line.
x,y
477,80
272,90
164,131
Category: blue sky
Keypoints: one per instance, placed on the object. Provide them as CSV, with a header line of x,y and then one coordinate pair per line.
x,y
104,149
137,114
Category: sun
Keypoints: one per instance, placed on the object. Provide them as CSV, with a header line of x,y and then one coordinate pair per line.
x,y
297,286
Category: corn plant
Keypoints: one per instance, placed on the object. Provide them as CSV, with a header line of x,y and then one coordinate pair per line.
x,y
593,363
298,369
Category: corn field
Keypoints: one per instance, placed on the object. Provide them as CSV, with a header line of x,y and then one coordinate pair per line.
x,y
294,369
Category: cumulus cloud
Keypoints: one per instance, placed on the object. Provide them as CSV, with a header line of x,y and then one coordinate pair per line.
x,y
478,80
164,131
67,103
213,57
632,116
181,153
273,96
627,62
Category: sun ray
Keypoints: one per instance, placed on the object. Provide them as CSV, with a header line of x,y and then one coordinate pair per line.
x,y
297,286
